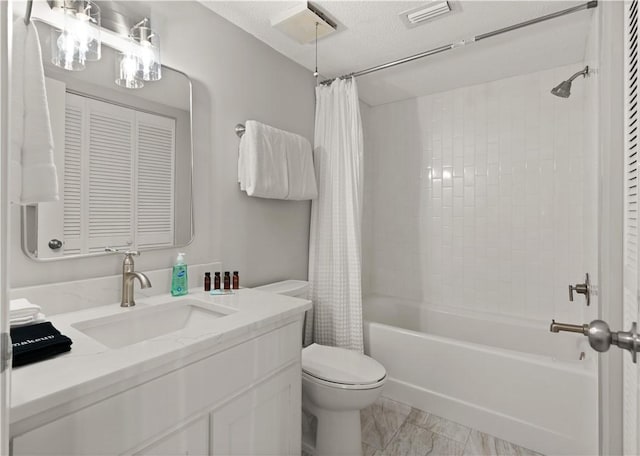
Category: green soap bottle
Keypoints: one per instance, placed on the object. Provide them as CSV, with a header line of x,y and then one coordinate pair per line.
x,y
179,277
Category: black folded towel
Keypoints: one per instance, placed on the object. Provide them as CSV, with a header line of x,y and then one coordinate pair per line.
x,y
34,343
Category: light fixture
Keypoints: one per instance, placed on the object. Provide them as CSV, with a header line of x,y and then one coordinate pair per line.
x,y
127,63
140,61
149,66
79,40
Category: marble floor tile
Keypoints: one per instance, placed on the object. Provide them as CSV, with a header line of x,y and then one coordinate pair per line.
x,y
481,444
368,451
413,440
381,421
447,428
418,417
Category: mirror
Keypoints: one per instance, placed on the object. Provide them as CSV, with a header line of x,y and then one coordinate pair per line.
x,y
124,159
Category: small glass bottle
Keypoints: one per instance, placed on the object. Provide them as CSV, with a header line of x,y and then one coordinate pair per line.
x,y
207,281
236,280
216,281
227,280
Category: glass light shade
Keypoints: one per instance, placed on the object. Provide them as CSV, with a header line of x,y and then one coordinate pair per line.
x,y
90,31
127,64
148,51
79,40
66,52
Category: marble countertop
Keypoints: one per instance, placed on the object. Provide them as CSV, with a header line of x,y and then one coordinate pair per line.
x,y
91,371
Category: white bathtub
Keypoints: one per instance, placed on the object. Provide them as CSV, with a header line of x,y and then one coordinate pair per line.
x,y
511,379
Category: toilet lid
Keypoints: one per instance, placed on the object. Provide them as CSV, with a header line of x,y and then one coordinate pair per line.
x,y
339,365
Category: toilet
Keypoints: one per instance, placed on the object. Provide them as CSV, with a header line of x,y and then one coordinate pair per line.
x,y
336,384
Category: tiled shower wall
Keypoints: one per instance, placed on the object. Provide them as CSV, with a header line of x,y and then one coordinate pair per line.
x,y
482,198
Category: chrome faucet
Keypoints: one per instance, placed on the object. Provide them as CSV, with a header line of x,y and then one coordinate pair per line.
x,y
128,275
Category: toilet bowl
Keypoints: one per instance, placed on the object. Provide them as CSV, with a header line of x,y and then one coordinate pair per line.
x,y
336,384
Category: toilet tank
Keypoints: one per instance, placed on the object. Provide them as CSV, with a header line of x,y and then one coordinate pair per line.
x,y
295,288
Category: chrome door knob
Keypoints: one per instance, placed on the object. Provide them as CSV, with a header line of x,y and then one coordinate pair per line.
x,y
600,336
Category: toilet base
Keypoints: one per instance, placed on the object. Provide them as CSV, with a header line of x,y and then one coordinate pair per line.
x,y
338,432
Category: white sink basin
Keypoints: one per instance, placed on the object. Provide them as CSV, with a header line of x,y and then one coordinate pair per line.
x,y
139,324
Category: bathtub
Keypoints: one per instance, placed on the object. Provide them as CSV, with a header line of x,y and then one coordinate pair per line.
x,y
502,376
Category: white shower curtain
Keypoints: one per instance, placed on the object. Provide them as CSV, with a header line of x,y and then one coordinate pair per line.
x,y
334,249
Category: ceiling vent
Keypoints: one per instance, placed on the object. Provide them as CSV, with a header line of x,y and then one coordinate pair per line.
x,y
299,23
425,13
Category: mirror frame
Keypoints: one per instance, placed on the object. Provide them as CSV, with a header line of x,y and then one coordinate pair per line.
x,y
23,212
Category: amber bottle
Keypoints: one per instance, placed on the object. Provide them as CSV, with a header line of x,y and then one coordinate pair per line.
x,y
207,281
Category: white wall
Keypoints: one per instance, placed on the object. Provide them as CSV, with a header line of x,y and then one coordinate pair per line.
x,y
235,78
480,197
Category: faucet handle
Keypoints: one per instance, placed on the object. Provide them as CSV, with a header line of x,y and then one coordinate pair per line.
x,y
124,252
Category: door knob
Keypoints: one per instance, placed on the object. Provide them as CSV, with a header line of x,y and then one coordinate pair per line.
x,y
601,338
581,288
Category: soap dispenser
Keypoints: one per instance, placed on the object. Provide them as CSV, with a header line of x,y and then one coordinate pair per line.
x,y
179,277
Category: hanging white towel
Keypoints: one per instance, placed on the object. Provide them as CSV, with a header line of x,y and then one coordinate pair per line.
x,y
300,171
275,164
33,172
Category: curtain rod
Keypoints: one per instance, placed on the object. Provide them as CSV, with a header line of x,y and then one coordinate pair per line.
x,y
447,47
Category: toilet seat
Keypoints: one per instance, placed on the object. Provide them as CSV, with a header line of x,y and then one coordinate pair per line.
x,y
341,368
319,381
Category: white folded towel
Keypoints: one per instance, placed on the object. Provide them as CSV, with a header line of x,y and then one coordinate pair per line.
x,y
276,164
38,318
22,308
33,172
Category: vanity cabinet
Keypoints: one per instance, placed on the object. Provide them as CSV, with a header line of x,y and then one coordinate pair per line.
x,y
241,401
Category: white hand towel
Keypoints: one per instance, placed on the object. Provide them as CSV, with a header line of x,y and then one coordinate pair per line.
x,y
38,318
262,162
33,172
276,164
22,308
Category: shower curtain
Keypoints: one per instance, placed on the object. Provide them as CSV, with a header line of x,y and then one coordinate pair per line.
x,y
334,248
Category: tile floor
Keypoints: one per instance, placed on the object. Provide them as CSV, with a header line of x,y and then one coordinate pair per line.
x,y
390,428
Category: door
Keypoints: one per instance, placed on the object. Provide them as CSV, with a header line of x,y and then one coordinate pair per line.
x,y
631,276
4,226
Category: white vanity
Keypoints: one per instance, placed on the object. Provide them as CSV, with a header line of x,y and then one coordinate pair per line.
x,y
193,375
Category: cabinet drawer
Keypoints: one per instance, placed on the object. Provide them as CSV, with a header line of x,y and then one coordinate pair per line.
x,y
143,413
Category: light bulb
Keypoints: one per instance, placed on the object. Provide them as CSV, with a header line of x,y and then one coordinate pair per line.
x,y
147,58
127,64
68,53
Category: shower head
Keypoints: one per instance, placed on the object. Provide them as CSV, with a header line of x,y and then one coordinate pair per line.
x,y
563,89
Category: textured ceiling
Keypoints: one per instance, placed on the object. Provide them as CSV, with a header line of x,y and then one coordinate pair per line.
x,y
371,32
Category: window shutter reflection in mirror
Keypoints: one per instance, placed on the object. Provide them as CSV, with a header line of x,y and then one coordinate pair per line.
x,y
72,216
110,183
155,180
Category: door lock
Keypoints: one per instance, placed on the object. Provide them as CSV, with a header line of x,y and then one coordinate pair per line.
x,y
581,288
600,336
